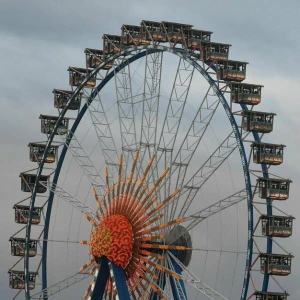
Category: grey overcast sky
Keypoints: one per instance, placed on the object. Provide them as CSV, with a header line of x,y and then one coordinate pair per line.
x,y
40,39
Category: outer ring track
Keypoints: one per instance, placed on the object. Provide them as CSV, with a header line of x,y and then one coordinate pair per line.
x,y
128,51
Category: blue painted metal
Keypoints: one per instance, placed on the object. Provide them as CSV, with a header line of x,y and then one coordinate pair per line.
x,y
100,283
269,209
59,166
120,281
150,49
177,295
160,282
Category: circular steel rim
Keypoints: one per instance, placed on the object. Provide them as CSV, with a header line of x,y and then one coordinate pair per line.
x,y
243,156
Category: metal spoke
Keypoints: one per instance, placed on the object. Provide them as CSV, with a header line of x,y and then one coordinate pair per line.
x,y
84,161
192,280
178,287
193,138
173,116
61,285
103,131
126,111
150,100
64,195
208,168
198,217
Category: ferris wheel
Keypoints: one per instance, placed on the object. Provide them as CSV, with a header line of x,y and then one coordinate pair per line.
x,y
154,181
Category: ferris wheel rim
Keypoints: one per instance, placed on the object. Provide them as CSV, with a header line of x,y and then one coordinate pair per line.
x,y
129,50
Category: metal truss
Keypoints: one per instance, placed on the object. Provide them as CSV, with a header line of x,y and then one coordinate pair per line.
x,y
208,168
104,134
200,216
60,286
165,147
126,110
64,195
150,100
191,279
193,138
173,117
178,287
84,161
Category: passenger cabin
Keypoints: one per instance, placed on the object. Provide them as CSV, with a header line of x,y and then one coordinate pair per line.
x,y
28,181
219,52
112,44
61,98
270,296
18,245
196,38
17,279
95,58
274,188
78,75
244,93
271,154
36,152
257,121
48,123
232,70
176,32
132,35
277,226
22,214
153,31
275,264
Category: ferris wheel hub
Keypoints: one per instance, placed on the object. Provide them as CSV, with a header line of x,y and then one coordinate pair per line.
x,y
180,236
113,238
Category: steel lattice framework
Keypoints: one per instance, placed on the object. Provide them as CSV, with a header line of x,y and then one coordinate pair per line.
x,y
143,152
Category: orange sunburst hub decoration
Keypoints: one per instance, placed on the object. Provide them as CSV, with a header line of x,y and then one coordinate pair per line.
x,y
113,238
128,228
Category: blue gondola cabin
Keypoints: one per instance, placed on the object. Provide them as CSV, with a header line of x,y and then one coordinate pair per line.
x,y
232,70
61,98
78,75
153,31
22,214
48,123
95,58
17,279
17,246
243,93
218,52
270,295
36,151
277,226
271,154
274,188
275,264
28,181
257,121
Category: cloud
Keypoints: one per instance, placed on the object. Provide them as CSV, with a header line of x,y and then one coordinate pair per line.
x,y
39,40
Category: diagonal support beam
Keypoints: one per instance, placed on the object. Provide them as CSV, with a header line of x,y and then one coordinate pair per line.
x,y
191,279
177,286
61,285
200,216
104,133
64,195
118,278
85,163
208,168
100,279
